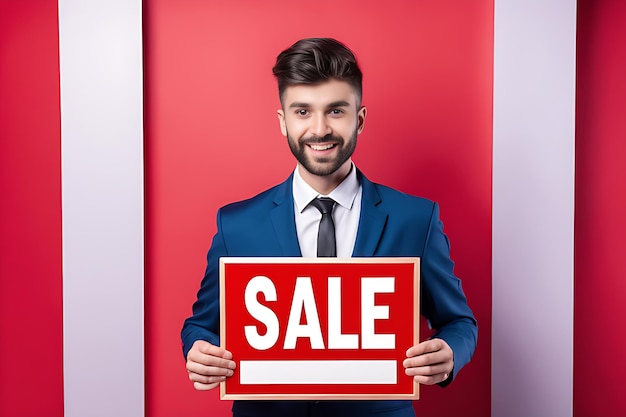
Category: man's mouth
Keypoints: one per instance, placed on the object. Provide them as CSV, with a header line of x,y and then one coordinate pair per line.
x,y
321,147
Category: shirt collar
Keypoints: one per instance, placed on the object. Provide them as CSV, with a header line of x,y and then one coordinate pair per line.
x,y
344,194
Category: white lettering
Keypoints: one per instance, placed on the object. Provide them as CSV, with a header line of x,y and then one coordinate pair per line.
x,y
303,301
337,340
370,312
303,304
262,313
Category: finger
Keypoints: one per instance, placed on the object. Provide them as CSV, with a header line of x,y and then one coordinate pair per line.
x,y
204,387
429,371
201,369
207,348
206,379
427,346
427,359
210,361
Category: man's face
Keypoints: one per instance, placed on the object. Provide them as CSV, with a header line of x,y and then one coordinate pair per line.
x,y
321,123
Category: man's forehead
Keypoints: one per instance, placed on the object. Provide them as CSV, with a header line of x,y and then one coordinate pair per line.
x,y
322,94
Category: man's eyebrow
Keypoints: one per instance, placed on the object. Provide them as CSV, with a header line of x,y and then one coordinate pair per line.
x,y
298,104
339,103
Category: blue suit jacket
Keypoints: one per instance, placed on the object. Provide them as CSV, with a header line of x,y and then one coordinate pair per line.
x,y
391,224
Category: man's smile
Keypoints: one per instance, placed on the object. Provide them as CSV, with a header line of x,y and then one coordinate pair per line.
x,y
321,146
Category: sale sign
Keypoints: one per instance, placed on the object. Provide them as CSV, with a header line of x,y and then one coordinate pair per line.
x,y
319,328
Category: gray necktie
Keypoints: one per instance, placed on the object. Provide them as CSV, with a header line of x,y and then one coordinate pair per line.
x,y
326,245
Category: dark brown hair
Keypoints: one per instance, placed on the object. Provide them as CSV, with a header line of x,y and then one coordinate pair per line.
x,y
315,60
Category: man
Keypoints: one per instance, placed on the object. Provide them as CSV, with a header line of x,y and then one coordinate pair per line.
x,y
321,115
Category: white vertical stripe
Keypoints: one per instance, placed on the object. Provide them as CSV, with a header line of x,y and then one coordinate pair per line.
x,y
533,207
102,168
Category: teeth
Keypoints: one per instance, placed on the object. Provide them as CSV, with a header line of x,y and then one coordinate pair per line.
x,y
321,147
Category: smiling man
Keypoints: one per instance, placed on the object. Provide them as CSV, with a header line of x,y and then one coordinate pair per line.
x,y
319,83
322,123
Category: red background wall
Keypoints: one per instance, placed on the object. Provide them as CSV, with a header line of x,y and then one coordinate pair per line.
x,y
30,173
212,137
600,227
434,119
31,323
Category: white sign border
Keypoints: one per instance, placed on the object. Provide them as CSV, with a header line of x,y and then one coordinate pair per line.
x,y
300,260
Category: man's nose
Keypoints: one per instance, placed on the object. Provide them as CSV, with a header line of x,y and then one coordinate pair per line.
x,y
320,126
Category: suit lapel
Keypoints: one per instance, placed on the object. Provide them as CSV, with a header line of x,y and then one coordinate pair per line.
x,y
372,221
283,219
371,224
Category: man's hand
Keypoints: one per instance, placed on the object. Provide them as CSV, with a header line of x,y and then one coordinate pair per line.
x,y
208,365
430,362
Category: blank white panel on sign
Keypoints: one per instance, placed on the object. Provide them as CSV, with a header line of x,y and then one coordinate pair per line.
x,y
318,372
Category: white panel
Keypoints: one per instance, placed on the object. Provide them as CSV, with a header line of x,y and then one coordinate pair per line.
x,y
533,207
102,168
319,372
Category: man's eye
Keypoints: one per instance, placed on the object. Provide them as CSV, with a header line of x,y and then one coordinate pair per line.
x,y
302,112
336,111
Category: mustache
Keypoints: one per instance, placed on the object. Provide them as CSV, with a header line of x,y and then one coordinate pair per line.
x,y
323,139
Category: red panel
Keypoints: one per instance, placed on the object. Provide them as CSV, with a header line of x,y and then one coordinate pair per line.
x,y
31,322
600,225
212,137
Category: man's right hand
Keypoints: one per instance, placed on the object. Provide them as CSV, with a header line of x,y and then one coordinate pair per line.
x,y
208,365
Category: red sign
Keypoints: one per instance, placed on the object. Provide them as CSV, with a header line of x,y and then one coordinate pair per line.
x,y
319,328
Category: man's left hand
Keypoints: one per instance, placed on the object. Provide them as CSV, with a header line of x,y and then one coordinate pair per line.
x,y
430,362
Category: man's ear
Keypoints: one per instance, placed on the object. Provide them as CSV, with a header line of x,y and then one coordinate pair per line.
x,y
361,119
281,119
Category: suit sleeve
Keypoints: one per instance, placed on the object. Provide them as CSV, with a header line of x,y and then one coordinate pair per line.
x,y
204,324
444,303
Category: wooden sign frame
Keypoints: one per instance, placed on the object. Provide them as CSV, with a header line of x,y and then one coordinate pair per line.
x,y
356,354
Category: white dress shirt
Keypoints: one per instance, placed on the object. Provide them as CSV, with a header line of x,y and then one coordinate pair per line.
x,y
345,214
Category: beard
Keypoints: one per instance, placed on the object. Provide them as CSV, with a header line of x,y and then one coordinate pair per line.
x,y
323,166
